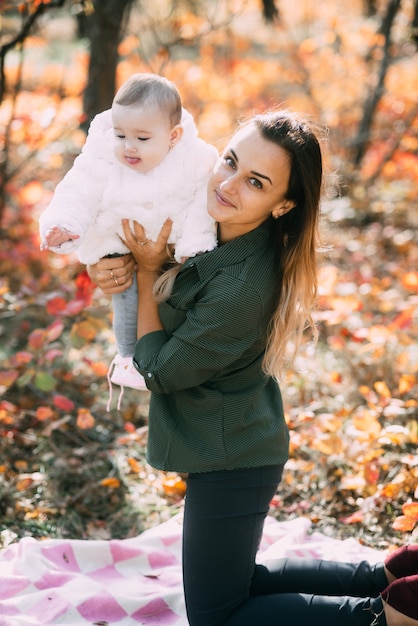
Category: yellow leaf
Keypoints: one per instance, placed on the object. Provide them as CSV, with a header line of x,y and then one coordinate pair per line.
x,y
407,382
382,388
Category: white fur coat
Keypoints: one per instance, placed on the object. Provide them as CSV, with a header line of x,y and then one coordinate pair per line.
x,y
98,192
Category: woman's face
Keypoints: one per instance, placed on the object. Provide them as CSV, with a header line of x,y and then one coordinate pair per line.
x,y
249,184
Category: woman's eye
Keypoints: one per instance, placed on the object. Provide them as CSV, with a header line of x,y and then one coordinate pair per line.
x,y
229,161
256,183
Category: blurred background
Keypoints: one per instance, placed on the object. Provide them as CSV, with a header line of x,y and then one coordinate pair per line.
x,y
69,468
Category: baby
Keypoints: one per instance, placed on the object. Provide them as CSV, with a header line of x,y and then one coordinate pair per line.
x,y
143,160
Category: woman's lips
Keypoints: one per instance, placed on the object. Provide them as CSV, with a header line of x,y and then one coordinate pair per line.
x,y
222,200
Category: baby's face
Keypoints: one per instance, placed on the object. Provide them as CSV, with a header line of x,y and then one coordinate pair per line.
x,y
142,136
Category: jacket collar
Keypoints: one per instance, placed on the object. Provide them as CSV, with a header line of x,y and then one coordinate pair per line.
x,y
235,251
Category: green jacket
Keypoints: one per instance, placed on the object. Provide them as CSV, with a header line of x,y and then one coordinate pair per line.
x,y
212,407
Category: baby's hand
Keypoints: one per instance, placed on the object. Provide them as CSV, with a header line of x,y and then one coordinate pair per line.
x,y
56,236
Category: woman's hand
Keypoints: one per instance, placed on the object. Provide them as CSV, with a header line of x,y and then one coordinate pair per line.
x,y
113,274
150,256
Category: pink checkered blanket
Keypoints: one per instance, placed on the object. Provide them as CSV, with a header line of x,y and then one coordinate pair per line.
x,y
129,582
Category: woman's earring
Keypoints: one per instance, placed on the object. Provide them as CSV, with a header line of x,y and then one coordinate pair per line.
x,y
275,217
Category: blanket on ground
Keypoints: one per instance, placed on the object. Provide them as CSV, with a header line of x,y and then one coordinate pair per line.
x,y
129,582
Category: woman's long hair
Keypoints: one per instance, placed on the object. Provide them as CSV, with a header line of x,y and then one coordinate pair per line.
x,y
295,237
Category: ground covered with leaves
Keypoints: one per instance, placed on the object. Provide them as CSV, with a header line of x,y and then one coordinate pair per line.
x,y
70,468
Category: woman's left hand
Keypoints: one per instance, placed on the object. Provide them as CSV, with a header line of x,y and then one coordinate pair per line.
x,y
150,256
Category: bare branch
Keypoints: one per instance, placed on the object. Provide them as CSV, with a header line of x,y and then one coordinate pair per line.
x,y
21,36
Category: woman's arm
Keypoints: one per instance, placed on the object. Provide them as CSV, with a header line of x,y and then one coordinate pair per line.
x,y
150,258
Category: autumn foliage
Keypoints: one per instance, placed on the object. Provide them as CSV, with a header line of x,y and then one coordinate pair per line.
x,y
67,467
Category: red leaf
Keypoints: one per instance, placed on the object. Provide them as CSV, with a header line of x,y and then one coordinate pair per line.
x,y
85,287
56,305
63,403
74,307
52,354
54,331
37,338
355,518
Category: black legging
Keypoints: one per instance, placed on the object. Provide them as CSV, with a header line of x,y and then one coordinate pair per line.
x,y
223,523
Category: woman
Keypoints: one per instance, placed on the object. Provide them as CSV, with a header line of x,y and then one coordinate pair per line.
x,y
211,355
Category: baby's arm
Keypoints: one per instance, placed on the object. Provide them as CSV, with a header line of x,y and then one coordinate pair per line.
x,y
76,201
56,236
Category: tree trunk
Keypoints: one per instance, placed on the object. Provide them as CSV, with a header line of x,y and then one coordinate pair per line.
x,y
363,133
104,29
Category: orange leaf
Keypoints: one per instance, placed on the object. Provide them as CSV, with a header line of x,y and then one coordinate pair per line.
x,y
100,368
32,193
402,320
371,473
8,377
23,357
85,419
111,482
134,465
24,484
410,509
174,486
403,523
409,281
43,413
86,330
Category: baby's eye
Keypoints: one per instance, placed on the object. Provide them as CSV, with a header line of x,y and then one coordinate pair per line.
x,y
143,138
120,136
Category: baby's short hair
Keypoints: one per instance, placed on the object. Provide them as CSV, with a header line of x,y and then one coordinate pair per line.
x,y
154,91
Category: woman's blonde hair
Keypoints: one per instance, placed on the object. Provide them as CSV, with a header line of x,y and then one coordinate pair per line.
x,y
295,237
